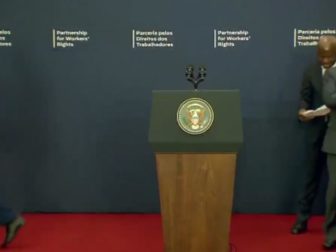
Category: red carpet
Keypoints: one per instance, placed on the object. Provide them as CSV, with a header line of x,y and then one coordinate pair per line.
x,y
142,233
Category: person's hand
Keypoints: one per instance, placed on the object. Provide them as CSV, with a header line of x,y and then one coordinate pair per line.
x,y
305,115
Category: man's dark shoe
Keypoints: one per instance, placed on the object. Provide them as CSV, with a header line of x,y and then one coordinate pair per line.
x,y
299,228
12,229
329,245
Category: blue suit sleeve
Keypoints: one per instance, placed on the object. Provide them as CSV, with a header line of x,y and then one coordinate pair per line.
x,y
329,88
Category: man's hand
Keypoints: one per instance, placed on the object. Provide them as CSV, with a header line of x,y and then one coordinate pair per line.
x,y
304,116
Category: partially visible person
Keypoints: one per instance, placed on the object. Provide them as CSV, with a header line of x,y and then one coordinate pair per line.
x,y
329,146
311,99
12,222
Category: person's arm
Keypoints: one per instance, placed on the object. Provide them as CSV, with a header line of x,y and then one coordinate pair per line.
x,y
306,97
329,88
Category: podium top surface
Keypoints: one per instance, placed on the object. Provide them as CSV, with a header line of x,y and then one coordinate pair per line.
x,y
224,135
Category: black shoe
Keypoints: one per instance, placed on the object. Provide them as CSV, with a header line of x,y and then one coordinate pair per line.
x,y
299,228
329,245
12,229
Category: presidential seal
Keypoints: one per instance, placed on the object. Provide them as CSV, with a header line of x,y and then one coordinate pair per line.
x,y
195,116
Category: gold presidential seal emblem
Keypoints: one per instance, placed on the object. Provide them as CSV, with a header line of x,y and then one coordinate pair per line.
x,y
195,116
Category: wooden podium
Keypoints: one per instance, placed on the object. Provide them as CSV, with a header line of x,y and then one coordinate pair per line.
x,y
196,172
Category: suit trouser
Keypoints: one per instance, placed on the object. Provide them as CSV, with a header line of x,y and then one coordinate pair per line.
x,y
330,222
314,170
6,215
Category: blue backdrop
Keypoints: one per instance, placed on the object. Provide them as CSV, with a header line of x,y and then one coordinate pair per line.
x,y
74,121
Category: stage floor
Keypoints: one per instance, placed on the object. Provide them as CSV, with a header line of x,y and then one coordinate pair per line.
x,y
142,233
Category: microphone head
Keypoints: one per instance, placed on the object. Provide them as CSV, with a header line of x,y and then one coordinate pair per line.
x,y
202,71
189,70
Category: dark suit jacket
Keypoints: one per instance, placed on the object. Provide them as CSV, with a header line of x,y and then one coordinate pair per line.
x,y
311,98
329,98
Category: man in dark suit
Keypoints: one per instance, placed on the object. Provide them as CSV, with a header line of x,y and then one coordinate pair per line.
x,y
12,223
311,98
329,146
